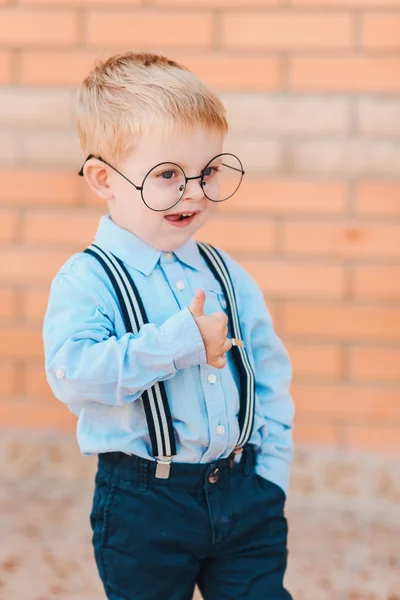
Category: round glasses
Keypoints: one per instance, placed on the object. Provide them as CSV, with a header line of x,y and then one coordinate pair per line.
x,y
165,184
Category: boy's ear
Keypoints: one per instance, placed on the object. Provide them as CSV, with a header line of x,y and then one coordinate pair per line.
x,y
98,178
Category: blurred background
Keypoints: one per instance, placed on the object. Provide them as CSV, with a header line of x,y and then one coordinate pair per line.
x,y
312,89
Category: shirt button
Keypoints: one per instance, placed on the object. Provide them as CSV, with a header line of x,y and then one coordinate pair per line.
x,y
212,378
224,303
180,285
220,430
60,373
169,255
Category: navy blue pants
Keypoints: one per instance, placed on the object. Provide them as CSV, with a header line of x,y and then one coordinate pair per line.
x,y
220,526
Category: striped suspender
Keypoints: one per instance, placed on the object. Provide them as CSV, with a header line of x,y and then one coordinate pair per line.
x,y
155,400
246,375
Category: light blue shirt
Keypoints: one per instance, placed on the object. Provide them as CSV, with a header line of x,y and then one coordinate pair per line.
x,y
99,371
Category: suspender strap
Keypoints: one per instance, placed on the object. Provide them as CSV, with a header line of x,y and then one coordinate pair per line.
x,y
247,380
154,399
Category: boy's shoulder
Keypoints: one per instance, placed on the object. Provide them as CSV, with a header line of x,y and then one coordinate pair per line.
x,y
81,264
87,273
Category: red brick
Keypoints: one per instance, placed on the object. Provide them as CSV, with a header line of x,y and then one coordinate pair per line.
x,y
38,27
27,415
35,383
350,402
24,265
85,3
60,228
149,30
346,3
381,31
34,304
8,378
373,363
342,239
316,361
297,280
319,434
8,225
377,282
5,67
8,304
341,322
38,187
218,3
344,74
284,197
287,30
21,342
240,235
370,437
375,198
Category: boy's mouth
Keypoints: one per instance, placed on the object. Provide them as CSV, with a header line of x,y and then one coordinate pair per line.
x,y
182,219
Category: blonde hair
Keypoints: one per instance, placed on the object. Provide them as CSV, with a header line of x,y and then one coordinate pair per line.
x,y
126,93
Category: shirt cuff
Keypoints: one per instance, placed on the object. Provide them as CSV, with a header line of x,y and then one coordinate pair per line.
x,y
182,336
277,471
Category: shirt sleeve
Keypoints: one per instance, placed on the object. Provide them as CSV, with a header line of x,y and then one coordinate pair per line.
x,y
86,362
273,375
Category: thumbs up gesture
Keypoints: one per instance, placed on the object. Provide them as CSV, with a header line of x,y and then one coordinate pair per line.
x,y
213,329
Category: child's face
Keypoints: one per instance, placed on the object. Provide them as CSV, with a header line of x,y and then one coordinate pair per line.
x,y
191,150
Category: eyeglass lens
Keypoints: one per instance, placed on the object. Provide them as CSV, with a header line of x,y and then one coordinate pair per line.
x,y
165,184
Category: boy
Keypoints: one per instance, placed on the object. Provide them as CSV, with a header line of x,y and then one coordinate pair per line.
x,y
165,351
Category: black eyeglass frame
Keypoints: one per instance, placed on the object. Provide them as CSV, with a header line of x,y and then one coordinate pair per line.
x,y
201,177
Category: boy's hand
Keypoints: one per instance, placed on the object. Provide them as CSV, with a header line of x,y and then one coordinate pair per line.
x,y
213,330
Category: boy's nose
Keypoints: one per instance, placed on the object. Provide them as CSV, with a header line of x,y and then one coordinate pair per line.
x,y
193,190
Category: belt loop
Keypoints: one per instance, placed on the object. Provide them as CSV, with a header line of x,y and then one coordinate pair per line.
x,y
143,476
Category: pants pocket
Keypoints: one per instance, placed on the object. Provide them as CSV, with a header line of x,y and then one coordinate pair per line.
x,y
270,486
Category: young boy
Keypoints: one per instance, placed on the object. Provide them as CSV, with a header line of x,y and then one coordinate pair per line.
x,y
164,349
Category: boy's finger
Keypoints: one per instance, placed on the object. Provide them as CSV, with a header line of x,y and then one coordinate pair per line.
x,y
196,307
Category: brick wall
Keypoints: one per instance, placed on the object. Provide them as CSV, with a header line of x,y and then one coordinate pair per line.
x,y
312,89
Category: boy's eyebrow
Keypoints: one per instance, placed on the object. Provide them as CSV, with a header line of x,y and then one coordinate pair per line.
x,y
185,166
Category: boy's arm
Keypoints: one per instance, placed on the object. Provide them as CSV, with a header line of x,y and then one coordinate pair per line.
x,y
86,362
273,374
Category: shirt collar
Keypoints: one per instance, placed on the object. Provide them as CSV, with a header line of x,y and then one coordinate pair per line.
x,y
137,253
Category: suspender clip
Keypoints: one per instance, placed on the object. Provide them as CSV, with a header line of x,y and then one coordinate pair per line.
x,y
237,342
163,467
235,452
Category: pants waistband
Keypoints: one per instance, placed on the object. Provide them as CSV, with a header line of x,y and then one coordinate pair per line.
x,y
141,470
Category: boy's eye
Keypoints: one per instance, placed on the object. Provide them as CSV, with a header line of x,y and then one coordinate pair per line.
x,y
210,171
167,174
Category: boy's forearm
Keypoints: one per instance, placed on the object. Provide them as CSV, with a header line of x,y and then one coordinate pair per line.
x,y
84,363
274,460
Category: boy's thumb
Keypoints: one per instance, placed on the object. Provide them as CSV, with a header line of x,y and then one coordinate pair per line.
x,y
197,305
